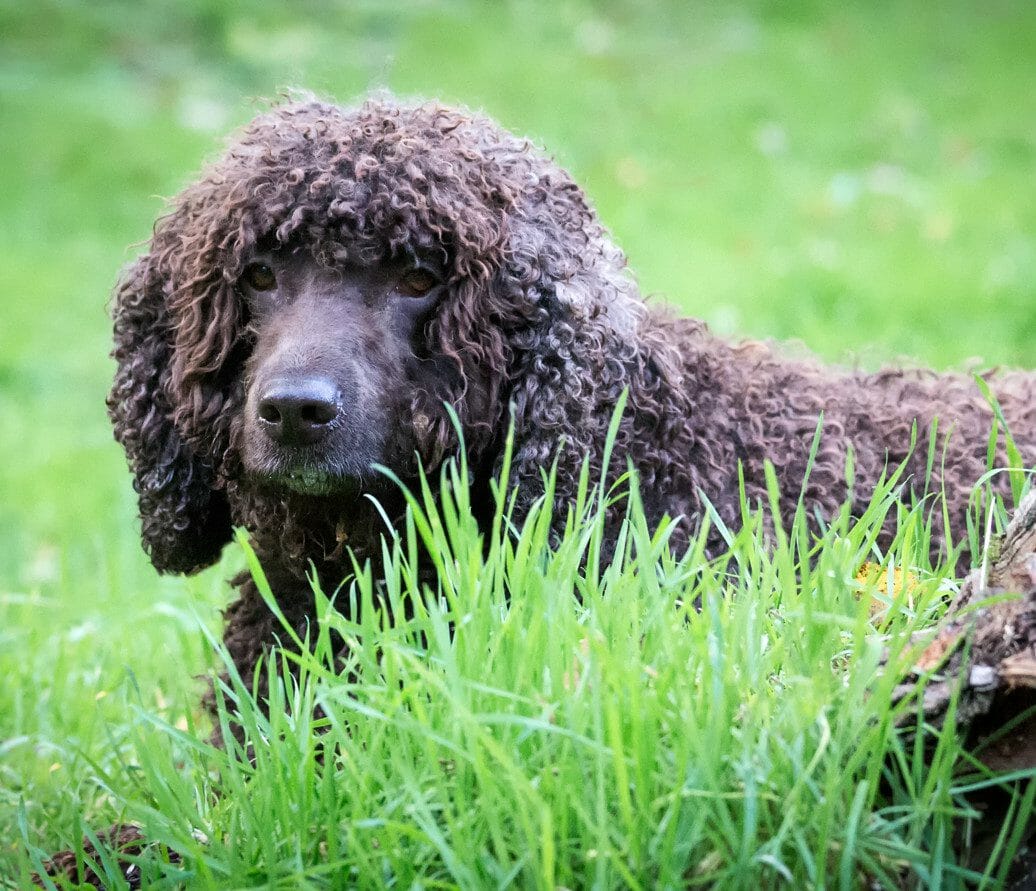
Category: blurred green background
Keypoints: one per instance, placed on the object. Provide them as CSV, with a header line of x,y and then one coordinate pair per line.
x,y
857,176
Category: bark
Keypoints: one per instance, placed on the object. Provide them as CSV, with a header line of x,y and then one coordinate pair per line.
x,y
987,649
985,655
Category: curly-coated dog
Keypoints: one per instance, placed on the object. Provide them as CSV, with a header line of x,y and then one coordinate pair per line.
x,y
310,306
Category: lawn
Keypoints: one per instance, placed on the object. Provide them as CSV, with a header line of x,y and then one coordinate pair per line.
x,y
857,177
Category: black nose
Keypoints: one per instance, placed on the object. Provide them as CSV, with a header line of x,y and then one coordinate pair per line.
x,y
298,412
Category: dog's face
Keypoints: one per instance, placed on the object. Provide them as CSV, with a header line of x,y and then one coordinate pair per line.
x,y
284,333
335,363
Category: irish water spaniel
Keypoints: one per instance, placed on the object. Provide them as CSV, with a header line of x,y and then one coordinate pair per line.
x,y
308,307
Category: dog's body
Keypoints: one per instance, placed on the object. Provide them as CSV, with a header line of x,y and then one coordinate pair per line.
x,y
312,302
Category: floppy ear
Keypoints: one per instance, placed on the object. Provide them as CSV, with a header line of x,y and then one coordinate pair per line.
x,y
185,521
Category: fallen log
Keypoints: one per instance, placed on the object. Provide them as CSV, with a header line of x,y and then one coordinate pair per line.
x,y
987,648
983,661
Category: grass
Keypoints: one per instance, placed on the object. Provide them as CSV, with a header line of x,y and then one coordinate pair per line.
x,y
853,175
538,719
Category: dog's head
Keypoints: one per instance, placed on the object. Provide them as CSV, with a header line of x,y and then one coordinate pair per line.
x,y
340,372
311,305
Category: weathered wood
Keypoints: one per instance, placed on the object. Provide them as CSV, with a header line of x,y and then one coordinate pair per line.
x,y
985,655
987,648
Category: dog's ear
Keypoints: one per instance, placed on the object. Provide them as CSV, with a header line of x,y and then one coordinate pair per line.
x,y
185,521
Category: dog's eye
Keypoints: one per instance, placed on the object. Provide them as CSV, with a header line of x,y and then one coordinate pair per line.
x,y
259,277
416,283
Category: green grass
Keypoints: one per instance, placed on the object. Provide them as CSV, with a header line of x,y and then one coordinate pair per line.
x,y
856,176
545,720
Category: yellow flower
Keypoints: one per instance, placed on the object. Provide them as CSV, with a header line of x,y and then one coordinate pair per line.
x,y
904,583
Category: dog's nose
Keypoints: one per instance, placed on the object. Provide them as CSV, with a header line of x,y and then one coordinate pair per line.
x,y
298,412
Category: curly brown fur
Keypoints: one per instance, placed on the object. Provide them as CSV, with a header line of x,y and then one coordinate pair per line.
x,y
124,845
535,317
